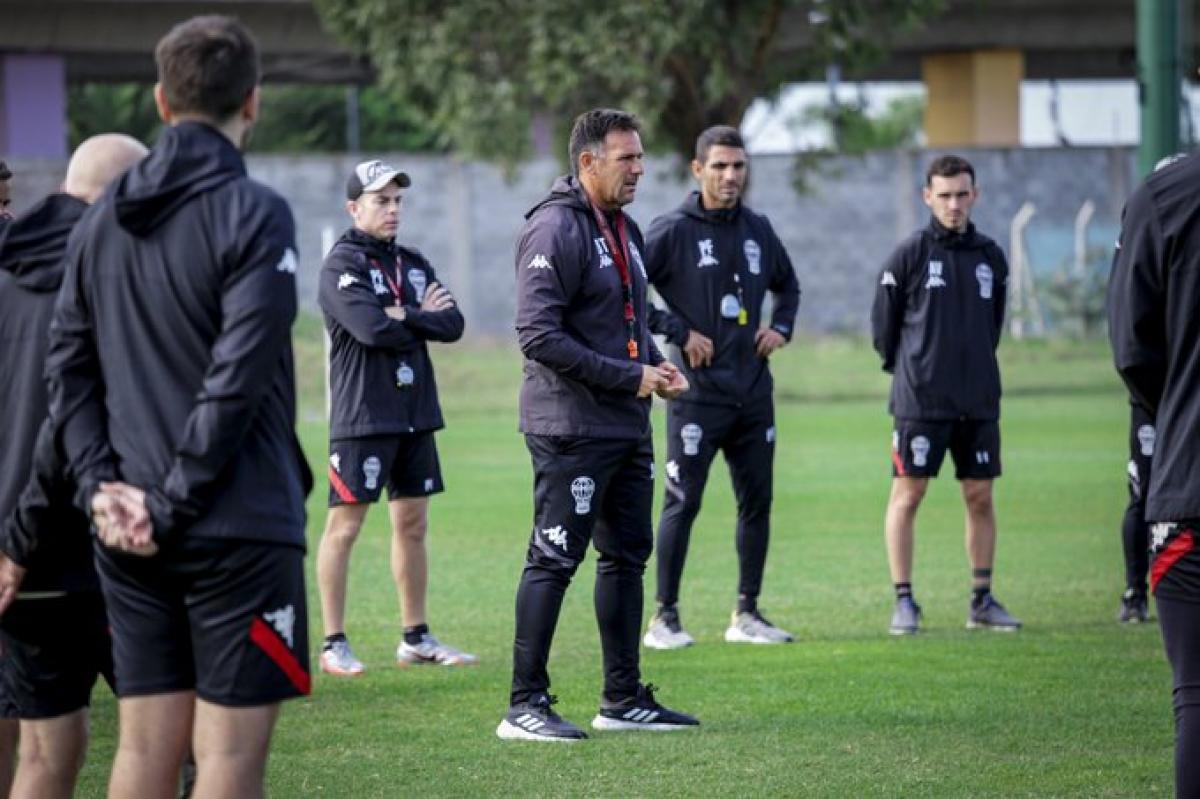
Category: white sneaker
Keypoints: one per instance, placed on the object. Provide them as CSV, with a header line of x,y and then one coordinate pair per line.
x,y
665,632
431,651
753,628
337,659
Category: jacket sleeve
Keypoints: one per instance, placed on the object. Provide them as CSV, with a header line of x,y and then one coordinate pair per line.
x,y
258,306
658,272
1137,303
549,273
786,290
446,325
75,384
887,311
346,296
999,292
35,515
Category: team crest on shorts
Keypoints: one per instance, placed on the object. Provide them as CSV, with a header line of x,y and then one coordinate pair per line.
x,y
582,489
1146,438
371,468
920,450
691,433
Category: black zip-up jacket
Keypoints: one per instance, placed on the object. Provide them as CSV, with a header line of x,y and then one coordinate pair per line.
x,y
695,258
1154,325
381,376
579,377
937,317
170,361
48,535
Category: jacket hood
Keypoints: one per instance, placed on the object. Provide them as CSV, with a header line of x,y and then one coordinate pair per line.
x,y
33,245
691,206
567,191
190,158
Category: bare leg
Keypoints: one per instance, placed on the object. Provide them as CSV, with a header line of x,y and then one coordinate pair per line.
x,y
8,753
981,527
52,752
153,739
232,744
342,526
410,564
899,523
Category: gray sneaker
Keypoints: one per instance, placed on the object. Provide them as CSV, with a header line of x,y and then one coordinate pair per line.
x,y
431,651
991,614
906,617
666,632
338,659
753,628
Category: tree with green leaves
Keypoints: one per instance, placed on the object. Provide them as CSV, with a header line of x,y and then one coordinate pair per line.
x,y
482,70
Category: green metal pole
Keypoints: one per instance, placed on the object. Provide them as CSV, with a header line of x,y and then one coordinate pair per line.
x,y
1158,75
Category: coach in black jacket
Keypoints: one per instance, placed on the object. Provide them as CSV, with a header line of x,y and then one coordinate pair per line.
x,y
713,260
937,317
590,368
382,303
1154,325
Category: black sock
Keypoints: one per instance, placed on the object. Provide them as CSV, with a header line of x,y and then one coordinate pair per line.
x,y
413,635
667,612
903,590
747,604
330,640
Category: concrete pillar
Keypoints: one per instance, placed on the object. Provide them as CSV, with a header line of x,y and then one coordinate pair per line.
x,y
33,105
974,99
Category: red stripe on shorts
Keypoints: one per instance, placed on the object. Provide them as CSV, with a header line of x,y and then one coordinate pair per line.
x,y
1170,556
898,462
274,647
343,492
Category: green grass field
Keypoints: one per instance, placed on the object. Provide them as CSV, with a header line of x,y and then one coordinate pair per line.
x,y
1073,705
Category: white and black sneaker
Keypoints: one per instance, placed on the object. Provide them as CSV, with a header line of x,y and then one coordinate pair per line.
x,y
641,712
535,721
666,632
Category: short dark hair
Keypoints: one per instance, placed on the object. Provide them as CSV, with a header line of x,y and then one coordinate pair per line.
x,y
5,172
591,128
208,66
723,135
947,166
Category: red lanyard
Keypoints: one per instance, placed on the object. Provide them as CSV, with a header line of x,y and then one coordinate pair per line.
x,y
620,250
394,285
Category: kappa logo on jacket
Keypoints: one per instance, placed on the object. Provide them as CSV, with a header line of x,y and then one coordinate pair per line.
x,y
602,250
539,261
706,254
888,279
346,281
935,280
288,262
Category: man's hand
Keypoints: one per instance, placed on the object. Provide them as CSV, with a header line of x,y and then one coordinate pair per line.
x,y
437,298
698,349
676,382
652,381
11,576
766,341
122,520
395,311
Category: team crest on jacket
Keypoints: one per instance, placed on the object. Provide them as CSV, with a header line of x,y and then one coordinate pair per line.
x,y
377,282
602,251
935,279
706,254
582,489
417,278
753,256
983,274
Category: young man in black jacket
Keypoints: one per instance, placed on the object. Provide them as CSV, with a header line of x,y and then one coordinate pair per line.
x,y
590,368
938,312
1154,326
54,636
382,303
713,260
173,394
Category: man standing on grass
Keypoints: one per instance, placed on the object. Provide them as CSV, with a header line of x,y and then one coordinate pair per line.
x,y
937,318
172,390
382,303
590,368
1154,325
713,260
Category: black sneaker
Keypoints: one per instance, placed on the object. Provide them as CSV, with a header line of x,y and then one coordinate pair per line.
x,y
641,712
535,721
1135,608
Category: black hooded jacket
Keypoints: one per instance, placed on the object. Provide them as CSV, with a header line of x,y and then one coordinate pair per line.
x,y
49,536
170,361
697,257
579,377
936,321
381,376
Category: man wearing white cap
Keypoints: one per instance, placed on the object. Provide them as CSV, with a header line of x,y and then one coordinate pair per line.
x,y
382,303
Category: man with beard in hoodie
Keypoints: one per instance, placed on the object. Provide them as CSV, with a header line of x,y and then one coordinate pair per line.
x,y
382,303
713,260
938,312
55,635
172,391
590,368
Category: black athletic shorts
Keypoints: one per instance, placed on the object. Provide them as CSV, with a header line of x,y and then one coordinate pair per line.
x,y
51,651
224,617
360,467
918,448
1175,560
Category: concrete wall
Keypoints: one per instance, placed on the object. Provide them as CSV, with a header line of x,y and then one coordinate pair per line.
x,y
465,216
